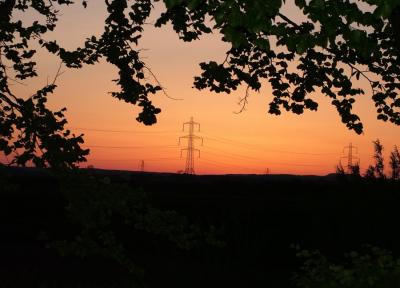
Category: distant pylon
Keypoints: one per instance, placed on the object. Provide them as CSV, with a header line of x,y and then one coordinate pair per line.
x,y
351,156
189,167
141,166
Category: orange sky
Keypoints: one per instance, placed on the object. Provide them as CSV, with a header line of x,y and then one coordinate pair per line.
x,y
250,142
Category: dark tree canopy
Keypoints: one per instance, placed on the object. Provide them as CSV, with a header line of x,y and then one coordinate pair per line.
x,y
340,42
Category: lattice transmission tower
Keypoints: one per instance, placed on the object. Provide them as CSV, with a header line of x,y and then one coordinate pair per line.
x,y
190,149
141,166
352,159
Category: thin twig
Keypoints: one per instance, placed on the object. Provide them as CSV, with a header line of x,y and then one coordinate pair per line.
x,y
288,20
362,73
159,84
152,74
226,58
58,74
18,82
244,101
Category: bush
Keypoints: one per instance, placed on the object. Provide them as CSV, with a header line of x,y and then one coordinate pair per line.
x,y
372,267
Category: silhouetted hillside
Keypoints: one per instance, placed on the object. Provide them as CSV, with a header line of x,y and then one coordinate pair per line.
x,y
253,220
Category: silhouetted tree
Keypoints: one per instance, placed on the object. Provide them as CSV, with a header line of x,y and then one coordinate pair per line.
x,y
336,44
370,173
395,163
340,169
355,170
379,163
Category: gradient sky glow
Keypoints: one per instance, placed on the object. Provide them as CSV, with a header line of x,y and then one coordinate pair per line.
x,y
250,142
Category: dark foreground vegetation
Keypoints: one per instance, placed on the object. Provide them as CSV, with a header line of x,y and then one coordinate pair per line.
x,y
95,228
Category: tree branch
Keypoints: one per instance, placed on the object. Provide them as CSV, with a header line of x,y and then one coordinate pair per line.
x,y
288,20
244,101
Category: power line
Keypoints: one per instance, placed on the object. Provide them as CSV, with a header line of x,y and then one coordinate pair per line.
x,y
227,141
190,149
229,153
264,161
131,147
220,154
137,159
119,131
241,157
227,165
213,138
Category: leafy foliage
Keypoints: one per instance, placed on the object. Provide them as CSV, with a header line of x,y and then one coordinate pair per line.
x,y
109,214
371,267
395,163
339,43
379,162
27,127
355,170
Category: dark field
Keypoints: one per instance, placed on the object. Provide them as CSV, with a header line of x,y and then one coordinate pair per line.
x,y
92,230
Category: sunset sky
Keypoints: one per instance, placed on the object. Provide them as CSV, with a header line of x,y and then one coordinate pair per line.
x,y
250,142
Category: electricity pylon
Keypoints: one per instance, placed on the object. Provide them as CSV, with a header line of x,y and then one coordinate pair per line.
x,y
350,157
190,149
141,166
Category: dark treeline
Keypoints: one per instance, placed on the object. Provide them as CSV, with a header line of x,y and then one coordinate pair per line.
x,y
112,229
